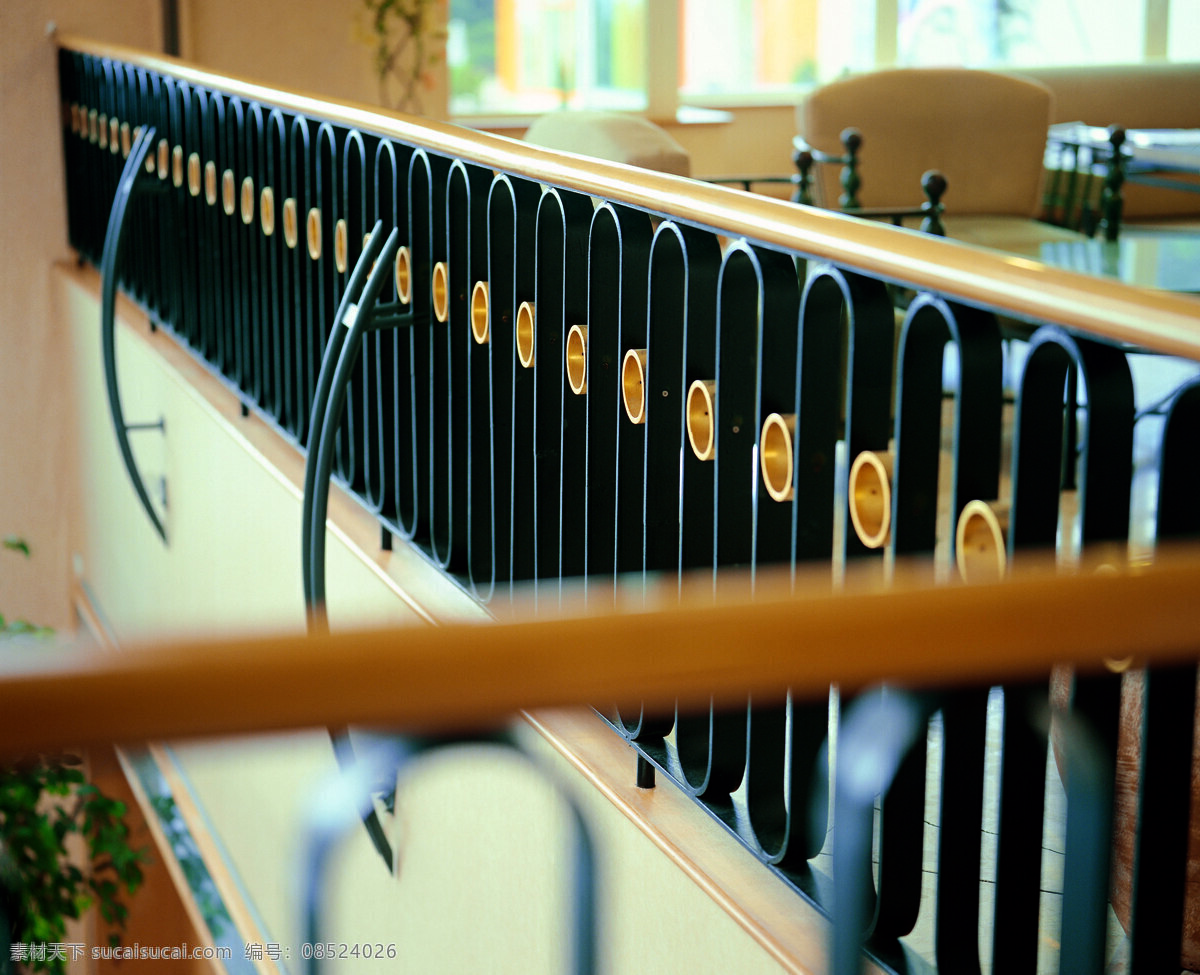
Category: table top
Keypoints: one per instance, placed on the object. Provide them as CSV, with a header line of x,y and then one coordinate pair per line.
x,y
1149,149
1169,261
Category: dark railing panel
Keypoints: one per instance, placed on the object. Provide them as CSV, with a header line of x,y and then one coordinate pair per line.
x,y
618,263
560,301
929,325
466,263
665,484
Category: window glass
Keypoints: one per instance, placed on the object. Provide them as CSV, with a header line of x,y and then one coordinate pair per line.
x,y
745,46
531,56
985,33
1183,38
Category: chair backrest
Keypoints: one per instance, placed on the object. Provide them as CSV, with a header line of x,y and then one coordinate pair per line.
x,y
985,131
614,136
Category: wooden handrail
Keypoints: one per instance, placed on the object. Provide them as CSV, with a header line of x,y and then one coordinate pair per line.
x,y
1019,286
462,676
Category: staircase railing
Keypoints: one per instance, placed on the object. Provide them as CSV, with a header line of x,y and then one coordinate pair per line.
x,y
631,379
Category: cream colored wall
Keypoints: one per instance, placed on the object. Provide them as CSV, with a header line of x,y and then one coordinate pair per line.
x,y
34,399
323,47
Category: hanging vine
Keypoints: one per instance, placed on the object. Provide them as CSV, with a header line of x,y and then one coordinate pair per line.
x,y
408,37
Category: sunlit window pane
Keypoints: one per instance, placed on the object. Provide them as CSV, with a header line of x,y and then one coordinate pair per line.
x,y
745,46
536,55
530,56
986,33
1183,39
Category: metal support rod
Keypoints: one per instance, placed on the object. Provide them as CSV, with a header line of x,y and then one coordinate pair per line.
x,y
160,425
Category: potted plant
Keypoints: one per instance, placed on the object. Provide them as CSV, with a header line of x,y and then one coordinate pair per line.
x,y
64,846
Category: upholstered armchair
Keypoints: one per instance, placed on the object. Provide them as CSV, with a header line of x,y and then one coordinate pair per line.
x,y
985,131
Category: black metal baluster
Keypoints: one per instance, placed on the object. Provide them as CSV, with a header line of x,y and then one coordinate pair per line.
x,y
1160,845
320,227
929,325
426,246
1161,838
512,223
466,263
618,287
830,297
304,276
356,186
758,305
1106,455
120,144
681,348
488,402
234,266
618,292
960,822
877,732
201,220
1089,743
271,196
208,185
171,214
247,179
559,418
110,166
381,408
1022,792
184,142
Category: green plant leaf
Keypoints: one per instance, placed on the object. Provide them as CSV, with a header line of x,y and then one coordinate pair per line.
x,y
16,544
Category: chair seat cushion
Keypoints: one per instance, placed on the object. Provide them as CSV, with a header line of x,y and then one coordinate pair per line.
x,y
614,136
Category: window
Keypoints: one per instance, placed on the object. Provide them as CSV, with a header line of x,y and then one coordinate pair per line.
x,y
528,56
1009,32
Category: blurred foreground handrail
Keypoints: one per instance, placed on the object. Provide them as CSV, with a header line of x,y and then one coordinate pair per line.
x,y
462,676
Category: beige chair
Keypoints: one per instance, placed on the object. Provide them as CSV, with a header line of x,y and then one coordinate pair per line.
x,y
985,131
614,136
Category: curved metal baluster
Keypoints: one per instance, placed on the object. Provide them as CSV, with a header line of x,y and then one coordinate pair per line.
x,y
878,730
108,275
341,352
316,421
379,257
329,824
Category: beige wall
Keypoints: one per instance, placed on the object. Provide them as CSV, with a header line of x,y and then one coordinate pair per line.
x,y
34,398
321,47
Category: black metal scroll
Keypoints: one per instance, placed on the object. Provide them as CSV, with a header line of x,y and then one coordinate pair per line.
x,y
358,314
113,241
